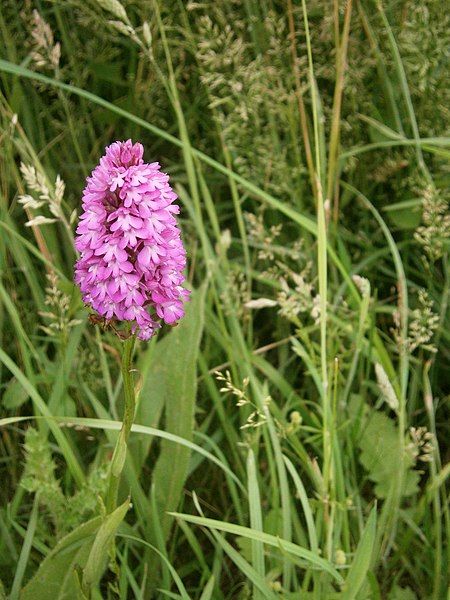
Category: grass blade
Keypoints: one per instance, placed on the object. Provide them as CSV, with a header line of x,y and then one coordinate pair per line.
x,y
266,538
116,425
362,559
25,552
63,443
255,520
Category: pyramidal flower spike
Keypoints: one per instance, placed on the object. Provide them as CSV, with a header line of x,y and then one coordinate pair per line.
x,y
131,255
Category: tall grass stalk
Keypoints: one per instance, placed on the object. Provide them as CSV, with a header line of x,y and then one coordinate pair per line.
x,y
327,426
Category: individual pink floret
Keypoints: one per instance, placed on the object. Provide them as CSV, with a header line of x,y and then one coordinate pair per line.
x,y
132,258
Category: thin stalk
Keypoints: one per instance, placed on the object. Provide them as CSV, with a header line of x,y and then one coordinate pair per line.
x,y
323,283
299,96
341,61
337,33
363,314
120,451
437,507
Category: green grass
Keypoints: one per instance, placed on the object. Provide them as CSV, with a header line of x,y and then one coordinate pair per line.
x,y
306,141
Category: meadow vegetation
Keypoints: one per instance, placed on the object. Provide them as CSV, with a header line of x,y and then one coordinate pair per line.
x,y
290,437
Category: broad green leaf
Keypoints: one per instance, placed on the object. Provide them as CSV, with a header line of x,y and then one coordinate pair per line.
x,y
56,577
14,395
174,373
153,395
406,218
151,401
380,449
245,547
361,561
98,555
398,593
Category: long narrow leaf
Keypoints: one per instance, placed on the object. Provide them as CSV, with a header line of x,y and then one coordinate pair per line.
x,y
116,425
266,538
362,559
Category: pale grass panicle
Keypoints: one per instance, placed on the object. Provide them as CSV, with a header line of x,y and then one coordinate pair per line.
x,y
228,387
45,53
424,38
124,29
259,235
235,296
385,386
257,417
224,242
266,240
249,96
297,292
422,444
257,303
434,232
58,314
390,167
423,324
363,285
316,309
47,195
293,426
115,8
297,295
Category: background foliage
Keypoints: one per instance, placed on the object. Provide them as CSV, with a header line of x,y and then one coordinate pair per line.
x,y
296,419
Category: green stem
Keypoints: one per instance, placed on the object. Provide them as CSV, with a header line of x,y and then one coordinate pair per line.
x,y
322,264
120,451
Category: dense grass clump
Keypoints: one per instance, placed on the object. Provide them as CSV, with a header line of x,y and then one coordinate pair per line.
x,y
290,432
